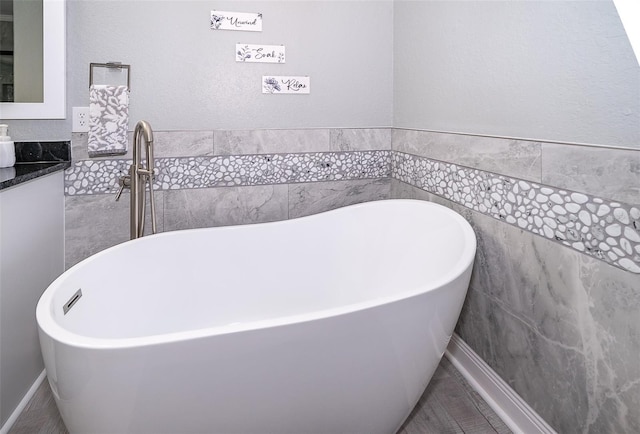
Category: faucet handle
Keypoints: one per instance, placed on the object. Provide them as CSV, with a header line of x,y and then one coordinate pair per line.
x,y
124,182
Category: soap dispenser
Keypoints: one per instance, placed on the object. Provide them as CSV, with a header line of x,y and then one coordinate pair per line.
x,y
7,150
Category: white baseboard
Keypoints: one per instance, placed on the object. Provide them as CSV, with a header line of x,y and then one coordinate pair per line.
x,y
507,404
25,400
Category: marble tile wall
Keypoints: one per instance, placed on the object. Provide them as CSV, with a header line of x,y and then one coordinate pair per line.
x,y
610,173
243,142
517,158
608,230
312,198
496,176
240,142
559,325
96,222
216,178
166,144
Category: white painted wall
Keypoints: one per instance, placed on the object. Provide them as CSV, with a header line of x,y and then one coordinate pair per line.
x,y
548,70
31,257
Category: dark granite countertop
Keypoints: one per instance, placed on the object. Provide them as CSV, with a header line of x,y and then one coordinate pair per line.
x,y
35,159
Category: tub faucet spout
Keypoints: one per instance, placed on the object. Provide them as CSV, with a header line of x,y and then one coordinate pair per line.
x,y
139,177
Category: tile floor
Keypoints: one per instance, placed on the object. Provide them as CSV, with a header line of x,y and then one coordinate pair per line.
x,y
448,406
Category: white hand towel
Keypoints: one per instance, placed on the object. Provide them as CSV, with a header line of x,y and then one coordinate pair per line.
x,y
108,120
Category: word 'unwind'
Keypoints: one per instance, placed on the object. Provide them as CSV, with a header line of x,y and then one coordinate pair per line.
x,y
250,22
273,84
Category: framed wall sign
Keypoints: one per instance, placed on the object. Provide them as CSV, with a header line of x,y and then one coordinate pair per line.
x,y
260,53
286,84
245,21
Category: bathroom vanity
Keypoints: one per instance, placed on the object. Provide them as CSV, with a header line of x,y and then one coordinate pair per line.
x,y
31,257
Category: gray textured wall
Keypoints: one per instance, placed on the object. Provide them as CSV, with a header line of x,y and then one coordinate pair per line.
x,y
558,326
185,77
559,71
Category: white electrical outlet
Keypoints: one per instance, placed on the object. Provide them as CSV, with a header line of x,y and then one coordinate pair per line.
x,y
80,120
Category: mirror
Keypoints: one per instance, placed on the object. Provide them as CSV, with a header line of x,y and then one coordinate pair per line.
x,y
21,51
38,91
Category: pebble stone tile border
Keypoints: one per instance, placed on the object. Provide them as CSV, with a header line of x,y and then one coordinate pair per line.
x,y
607,230
101,176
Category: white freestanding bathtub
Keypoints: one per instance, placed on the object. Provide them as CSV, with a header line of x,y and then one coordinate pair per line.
x,y
332,323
